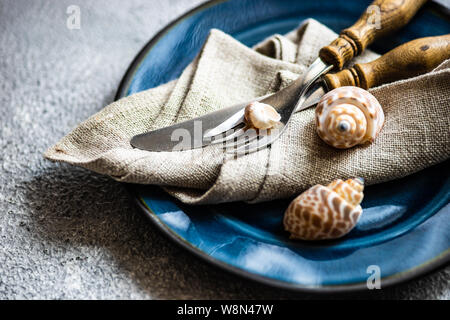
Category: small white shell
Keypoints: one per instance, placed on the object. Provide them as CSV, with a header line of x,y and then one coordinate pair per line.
x,y
348,116
261,116
325,212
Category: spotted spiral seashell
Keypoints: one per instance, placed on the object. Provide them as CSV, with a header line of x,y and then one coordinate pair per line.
x,y
325,212
348,116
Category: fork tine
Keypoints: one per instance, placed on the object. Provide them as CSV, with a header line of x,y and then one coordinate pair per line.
x,y
266,138
229,137
245,137
254,145
228,124
232,121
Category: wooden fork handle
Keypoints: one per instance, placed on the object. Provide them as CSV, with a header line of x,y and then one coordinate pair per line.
x,y
379,19
408,60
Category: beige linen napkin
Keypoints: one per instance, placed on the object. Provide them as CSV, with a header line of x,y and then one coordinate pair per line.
x,y
415,136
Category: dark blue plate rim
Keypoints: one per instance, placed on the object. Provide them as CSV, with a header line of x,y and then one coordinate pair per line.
x,y
425,268
422,270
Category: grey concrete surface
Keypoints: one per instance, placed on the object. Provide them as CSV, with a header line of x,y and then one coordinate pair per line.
x,y
67,233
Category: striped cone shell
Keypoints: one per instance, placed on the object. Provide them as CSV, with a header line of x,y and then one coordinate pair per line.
x,y
325,212
348,116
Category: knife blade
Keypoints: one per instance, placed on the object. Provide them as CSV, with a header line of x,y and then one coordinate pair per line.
x,y
196,133
187,134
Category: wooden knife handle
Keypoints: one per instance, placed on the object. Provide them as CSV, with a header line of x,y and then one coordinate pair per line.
x,y
408,60
379,19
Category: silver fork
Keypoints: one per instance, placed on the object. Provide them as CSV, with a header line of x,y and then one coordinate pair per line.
x,y
390,16
233,131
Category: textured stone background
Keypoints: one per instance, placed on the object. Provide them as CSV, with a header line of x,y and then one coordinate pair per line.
x,y
66,232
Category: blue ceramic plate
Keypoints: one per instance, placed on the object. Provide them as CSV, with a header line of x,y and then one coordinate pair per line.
x,y
405,229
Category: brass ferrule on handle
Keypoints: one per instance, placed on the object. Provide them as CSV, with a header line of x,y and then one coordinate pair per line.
x,y
381,18
408,60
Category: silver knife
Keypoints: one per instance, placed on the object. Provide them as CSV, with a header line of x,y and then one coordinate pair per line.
x,y
351,42
187,134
